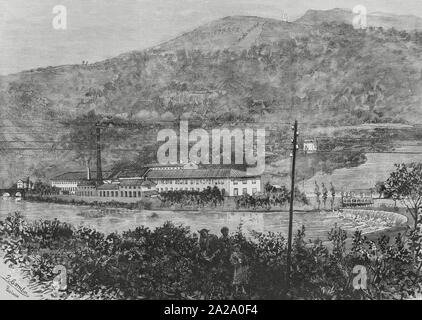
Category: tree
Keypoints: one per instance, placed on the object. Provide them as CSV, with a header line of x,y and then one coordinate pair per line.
x,y
405,185
380,188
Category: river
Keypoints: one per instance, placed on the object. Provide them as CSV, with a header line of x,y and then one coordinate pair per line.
x,y
111,220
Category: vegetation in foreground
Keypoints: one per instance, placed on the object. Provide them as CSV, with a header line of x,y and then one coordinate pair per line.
x,y
170,263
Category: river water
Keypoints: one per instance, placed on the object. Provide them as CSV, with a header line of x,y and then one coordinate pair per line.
x,y
110,220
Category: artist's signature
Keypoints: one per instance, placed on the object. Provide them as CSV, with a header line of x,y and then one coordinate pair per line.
x,y
14,288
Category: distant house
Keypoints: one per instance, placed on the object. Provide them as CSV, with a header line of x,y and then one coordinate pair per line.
x,y
24,184
310,146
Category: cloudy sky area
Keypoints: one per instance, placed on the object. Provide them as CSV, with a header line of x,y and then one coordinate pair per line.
x,y
101,29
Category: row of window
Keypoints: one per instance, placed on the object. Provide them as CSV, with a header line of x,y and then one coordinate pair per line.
x,y
133,187
244,181
244,191
68,188
193,181
59,183
164,189
123,194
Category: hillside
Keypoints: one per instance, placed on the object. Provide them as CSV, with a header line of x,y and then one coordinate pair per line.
x,y
236,34
236,68
375,19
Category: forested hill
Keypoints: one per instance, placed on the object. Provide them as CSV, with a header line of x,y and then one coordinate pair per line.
x,y
236,68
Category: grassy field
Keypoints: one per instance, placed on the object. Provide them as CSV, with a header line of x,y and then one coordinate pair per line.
x,y
377,168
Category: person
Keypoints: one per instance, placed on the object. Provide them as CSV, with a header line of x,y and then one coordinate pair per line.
x,y
225,243
225,251
208,244
317,194
333,195
224,233
324,194
241,270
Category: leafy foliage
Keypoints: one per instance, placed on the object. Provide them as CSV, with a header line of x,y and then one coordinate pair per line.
x,y
405,184
168,263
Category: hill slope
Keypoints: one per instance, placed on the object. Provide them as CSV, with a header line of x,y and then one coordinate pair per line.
x,y
376,19
236,68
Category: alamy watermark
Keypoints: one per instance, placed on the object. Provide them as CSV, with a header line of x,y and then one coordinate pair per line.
x,y
60,280
361,279
359,17
176,147
60,18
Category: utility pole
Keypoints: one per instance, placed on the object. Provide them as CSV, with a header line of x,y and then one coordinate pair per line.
x,y
292,195
99,169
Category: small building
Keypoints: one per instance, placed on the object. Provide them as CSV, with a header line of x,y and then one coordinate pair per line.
x,y
24,184
310,146
68,182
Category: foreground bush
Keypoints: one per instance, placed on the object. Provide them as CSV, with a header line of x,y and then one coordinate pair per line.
x,y
167,263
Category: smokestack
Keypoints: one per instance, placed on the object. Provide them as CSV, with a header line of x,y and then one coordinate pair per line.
x,y
99,169
88,170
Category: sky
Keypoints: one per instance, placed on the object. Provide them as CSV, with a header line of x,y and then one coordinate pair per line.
x,y
101,29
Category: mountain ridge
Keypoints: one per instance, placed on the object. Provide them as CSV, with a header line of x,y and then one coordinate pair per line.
x,y
251,69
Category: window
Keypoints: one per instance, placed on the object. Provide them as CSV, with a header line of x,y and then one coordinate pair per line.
x,y
139,194
134,194
130,194
108,194
235,182
121,193
245,181
253,190
244,191
236,192
253,181
126,194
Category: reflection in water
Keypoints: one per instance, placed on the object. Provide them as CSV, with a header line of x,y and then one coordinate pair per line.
x,y
112,220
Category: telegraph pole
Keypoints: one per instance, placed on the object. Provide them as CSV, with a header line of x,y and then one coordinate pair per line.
x,y
292,195
99,169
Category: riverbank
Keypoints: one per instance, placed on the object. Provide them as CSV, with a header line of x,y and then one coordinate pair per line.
x,y
156,205
146,204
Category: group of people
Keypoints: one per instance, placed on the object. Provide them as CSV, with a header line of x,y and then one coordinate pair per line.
x,y
324,193
221,251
